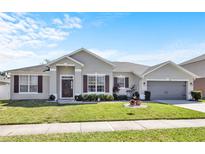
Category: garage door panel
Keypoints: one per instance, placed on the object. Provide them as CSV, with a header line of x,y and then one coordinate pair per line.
x,y
167,89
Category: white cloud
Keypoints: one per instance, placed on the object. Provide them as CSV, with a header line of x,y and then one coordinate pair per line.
x,y
23,33
68,22
19,30
7,17
53,45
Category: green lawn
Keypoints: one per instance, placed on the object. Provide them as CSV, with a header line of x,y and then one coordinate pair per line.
x,y
25,112
161,135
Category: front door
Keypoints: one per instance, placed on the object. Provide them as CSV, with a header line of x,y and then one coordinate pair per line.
x,y
67,87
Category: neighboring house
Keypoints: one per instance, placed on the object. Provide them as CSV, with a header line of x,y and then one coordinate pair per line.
x,y
4,88
197,66
83,72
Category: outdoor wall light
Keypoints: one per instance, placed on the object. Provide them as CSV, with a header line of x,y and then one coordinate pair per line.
x,y
190,83
144,83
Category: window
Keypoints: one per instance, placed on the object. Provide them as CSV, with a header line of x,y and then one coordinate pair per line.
x,y
33,84
28,83
96,83
100,83
23,82
91,83
121,82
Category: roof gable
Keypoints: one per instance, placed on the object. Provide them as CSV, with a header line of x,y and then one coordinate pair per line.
x,y
91,53
65,57
157,67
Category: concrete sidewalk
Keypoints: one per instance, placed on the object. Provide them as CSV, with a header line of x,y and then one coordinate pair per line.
x,y
12,130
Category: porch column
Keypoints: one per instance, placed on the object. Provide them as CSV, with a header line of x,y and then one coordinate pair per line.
x,y
142,88
78,81
52,82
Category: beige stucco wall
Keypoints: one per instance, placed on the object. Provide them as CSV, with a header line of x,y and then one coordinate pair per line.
x,y
168,73
196,67
19,96
93,65
133,80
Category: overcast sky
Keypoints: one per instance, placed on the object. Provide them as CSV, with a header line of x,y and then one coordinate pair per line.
x,y
27,39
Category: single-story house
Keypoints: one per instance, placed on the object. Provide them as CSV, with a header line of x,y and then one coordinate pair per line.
x,y
84,72
197,66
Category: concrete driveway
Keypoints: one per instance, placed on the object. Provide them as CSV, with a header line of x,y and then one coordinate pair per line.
x,y
193,105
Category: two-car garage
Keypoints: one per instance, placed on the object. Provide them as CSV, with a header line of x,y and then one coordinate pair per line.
x,y
169,90
168,81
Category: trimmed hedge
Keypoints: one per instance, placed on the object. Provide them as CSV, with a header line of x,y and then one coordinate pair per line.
x,y
94,97
196,95
120,97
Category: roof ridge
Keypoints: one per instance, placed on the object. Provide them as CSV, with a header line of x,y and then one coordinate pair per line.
x,y
130,63
193,60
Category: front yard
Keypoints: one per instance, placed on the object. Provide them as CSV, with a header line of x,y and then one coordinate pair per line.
x,y
27,112
160,135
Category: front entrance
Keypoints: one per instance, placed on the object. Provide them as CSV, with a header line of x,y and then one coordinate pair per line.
x,y
66,87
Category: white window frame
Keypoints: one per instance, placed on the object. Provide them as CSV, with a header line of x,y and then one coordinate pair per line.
x,y
28,76
122,77
96,84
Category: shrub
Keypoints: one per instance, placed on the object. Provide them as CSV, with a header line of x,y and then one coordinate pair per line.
x,y
122,97
78,97
136,94
109,98
85,97
115,97
93,97
102,97
147,95
196,95
52,97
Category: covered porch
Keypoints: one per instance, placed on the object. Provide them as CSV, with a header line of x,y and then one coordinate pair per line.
x,y
65,79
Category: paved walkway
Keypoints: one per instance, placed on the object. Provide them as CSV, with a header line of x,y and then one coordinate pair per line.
x,y
197,106
12,130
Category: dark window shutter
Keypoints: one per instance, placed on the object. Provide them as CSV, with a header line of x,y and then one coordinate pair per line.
x,y
40,84
85,83
16,83
115,81
107,85
126,82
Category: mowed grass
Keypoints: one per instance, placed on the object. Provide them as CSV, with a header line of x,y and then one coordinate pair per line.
x,y
26,112
160,135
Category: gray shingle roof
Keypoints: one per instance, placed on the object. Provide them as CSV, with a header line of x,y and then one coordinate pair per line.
x,y
155,66
199,58
41,67
138,69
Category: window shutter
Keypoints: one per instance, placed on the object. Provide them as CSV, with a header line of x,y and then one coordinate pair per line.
x,y
107,85
126,82
115,81
85,83
16,84
40,84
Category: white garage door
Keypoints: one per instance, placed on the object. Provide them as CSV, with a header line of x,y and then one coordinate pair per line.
x,y
167,90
